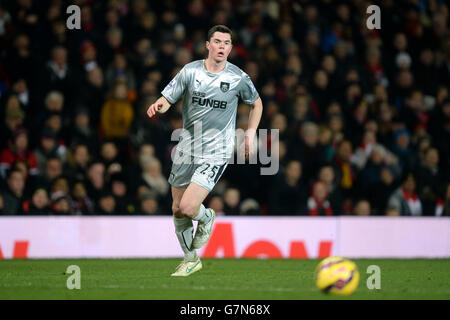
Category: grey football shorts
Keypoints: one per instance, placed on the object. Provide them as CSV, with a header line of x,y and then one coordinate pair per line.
x,y
204,172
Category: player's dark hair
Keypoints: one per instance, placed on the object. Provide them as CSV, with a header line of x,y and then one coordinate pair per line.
x,y
220,28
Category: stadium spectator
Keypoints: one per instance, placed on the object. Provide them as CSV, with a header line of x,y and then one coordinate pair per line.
x,y
301,109
287,196
82,131
80,202
106,204
327,141
109,156
405,198
149,204
58,74
60,203
307,149
38,204
328,176
231,199
429,181
124,205
95,185
152,176
18,152
14,120
318,204
13,195
119,70
77,164
53,104
55,122
60,185
364,150
88,52
362,208
53,170
249,207
20,89
279,122
371,173
402,149
443,205
91,94
48,148
379,193
117,113
345,171
20,60
319,90
216,203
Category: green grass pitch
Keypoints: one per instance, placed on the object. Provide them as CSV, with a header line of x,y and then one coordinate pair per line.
x,y
241,279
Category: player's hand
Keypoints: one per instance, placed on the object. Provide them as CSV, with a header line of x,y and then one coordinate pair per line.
x,y
155,107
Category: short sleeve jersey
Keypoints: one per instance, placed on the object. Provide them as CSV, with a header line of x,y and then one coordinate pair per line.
x,y
210,103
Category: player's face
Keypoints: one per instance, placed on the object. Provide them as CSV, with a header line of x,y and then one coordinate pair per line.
x,y
219,46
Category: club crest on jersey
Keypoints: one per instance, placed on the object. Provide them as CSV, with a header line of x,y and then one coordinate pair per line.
x,y
224,86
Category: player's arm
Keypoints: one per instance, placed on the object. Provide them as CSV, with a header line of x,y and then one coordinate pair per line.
x,y
160,106
253,123
171,94
254,118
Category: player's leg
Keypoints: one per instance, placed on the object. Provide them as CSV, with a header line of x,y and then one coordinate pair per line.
x,y
192,200
184,230
192,206
179,179
203,181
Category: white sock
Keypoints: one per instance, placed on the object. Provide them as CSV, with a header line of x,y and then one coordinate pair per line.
x,y
203,215
184,229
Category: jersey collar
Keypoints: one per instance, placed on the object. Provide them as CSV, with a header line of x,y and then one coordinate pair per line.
x,y
212,73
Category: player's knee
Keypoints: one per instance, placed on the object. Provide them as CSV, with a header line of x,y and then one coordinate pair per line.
x,y
176,211
187,209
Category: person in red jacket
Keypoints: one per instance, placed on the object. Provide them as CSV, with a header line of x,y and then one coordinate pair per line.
x,y
18,152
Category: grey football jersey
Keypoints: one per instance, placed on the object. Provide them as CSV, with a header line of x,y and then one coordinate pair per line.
x,y
209,107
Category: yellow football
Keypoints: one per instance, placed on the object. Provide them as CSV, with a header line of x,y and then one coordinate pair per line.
x,y
337,275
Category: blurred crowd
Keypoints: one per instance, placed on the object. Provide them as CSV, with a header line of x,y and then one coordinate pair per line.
x,y
363,115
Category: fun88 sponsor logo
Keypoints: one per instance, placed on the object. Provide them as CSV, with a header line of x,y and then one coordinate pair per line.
x,y
209,103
